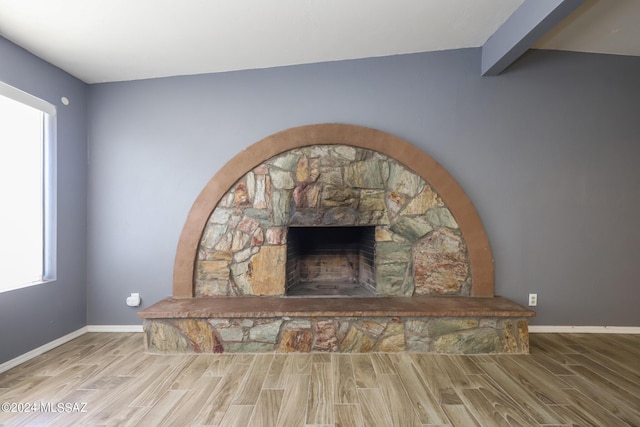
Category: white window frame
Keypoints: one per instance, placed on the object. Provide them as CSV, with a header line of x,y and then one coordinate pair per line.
x,y
49,188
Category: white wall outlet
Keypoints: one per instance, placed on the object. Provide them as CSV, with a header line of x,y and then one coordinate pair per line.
x,y
133,300
533,300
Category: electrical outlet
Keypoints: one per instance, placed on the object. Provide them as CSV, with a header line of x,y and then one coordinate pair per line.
x,y
533,300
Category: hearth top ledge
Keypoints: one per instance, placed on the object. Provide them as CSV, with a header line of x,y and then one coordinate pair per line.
x,y
266,307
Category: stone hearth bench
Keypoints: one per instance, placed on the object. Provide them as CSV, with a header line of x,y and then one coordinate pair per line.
x,y
452,325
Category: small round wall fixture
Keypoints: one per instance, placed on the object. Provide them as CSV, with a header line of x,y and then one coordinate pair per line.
x,y
64,100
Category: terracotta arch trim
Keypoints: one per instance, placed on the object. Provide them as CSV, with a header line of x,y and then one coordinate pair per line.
x,y
480,256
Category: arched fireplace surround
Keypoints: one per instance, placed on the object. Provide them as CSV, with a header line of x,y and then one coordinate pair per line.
x,y
468,221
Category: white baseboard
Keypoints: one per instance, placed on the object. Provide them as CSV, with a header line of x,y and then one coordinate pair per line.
x,y
114,328
542,329
42,349
65,339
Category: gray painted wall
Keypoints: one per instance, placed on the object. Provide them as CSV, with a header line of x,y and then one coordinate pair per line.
x,y
31,317
547,151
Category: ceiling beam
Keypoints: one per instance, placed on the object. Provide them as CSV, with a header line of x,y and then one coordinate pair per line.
x,y
521,30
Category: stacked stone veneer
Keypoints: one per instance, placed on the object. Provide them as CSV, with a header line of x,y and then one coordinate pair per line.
x,y
466,335
419,248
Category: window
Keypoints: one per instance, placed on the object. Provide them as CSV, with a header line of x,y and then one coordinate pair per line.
x,y
27,189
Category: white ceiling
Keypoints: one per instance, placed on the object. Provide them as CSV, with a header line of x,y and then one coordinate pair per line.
x,y
116,40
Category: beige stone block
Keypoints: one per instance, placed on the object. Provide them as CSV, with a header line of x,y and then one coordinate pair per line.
x,y
424,201
220,256
213,270
302,169
383,234
267,270
394,340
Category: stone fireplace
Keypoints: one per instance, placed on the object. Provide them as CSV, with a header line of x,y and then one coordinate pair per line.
x,y
333,193
328,211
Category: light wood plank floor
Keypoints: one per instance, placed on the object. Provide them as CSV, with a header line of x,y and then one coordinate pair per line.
x,y
569,379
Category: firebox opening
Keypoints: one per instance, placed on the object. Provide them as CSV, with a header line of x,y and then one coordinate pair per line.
x,y
330,261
